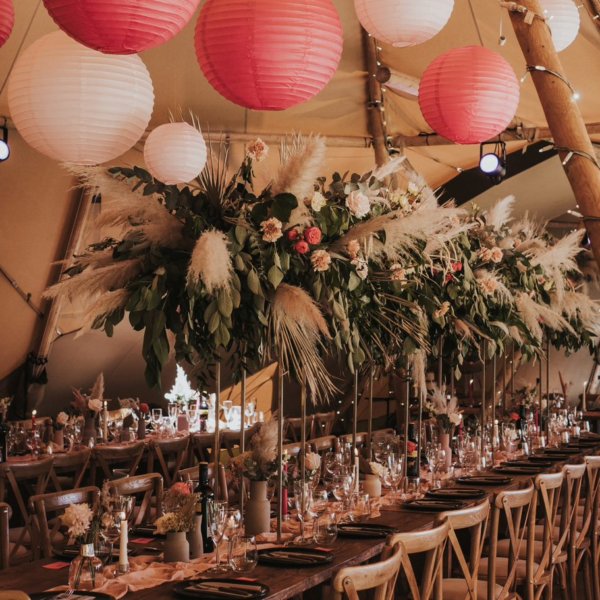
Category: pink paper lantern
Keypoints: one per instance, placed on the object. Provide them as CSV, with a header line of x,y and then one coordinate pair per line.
x,y
7,20
269,54
121,26
469,95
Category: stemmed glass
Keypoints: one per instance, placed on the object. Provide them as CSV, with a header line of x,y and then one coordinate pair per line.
x,y
112,534
250,408
233,519
393,474
227,405
193,416
156,419
319,507
173,411
216,527
32,442
303,502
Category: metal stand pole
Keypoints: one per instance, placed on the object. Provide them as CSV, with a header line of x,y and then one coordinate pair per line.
x,y
355,414
547,388
217,437
370,424
440,366
504,382
406,418
243,436
512,374
302,454
483,415
494,400
280,453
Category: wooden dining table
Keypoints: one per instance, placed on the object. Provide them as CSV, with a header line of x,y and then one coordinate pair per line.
x,y
287,582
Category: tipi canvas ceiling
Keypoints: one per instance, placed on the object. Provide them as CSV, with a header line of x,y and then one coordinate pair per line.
x,y
37,203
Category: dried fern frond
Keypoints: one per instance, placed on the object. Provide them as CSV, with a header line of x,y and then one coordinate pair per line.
x,y
302,159
92,283
532,313
107,304
211,262
500,214
296,327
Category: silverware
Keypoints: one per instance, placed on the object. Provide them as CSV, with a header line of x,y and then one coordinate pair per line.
x,y
235,586
221,593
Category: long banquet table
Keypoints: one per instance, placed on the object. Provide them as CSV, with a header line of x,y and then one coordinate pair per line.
x,y
283,583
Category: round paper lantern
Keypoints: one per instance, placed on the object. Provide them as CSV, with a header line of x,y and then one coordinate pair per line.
x,y
563,19
469,95
7,20
78,105
121,26
268,54
403,22
175,153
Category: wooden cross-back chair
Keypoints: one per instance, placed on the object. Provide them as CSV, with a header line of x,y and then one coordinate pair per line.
x,y
202,446
473,519
431,543
117,461
233,439
361,438
512,511
5,515
292,428
378,577
588,518
69,469
322,424
47,509
167,456
148,492
324,444
25,478
292,449
191,474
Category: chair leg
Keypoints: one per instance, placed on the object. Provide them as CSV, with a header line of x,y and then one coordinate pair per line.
x,y
587,576
572,567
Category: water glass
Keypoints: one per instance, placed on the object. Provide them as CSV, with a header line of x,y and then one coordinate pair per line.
x,y
244,554
326,530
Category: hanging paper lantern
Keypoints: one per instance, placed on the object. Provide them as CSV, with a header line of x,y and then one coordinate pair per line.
x,y
563,19
7,20
78,105
268,54
175,153
403,22
121,26
469,95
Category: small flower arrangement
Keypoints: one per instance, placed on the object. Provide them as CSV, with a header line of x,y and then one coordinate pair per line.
x,y
4,405
259,463
377,469
443,408
78,518
92,402
180,507
61,419
312,466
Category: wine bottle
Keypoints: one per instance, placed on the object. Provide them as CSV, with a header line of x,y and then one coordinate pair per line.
x,y
4,430
412,464
203,413
207,500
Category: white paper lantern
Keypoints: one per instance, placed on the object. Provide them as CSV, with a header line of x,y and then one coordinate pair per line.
x,y
175,153
563,19
403,22
78,105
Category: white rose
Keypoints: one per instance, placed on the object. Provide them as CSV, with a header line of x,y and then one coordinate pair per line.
x,y
95,405
358,204
455,418
312,461
317,201
413,188
62,418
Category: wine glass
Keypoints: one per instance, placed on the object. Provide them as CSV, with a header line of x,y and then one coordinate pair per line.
x,y
173,411
193,416
227,406
233,519
156,418
393,474
216,528
320,502
303,503
244,554
250,408
112,534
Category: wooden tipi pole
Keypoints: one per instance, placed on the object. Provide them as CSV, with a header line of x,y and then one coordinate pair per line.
x,y
564,118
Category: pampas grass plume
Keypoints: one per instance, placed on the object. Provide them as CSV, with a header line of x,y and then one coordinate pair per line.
x,y
211,262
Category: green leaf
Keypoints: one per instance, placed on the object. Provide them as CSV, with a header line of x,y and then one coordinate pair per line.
x,y
275,276
224,334
214,322
254,283
225,303
241,234
238,263
354,281
259,212
338,311
209,311
283,205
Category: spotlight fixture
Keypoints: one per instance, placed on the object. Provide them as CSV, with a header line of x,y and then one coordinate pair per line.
x,y
4,147
493,164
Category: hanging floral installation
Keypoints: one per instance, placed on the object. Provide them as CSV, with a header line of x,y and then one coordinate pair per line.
x,y
350,266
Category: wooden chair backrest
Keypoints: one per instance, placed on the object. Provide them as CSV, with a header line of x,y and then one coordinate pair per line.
x,y
5,515
516,510
191,474
292,428
379,434
203,446
292,449
473,518
45,508
592,499
323,444
431,543
322,424
361,438
548,486
126,456
380,577
149,486
73,463
175,449
572,489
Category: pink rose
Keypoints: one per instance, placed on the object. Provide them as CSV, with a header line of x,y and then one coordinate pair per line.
x,y
301,247
457,267
292,234
313,235
181,488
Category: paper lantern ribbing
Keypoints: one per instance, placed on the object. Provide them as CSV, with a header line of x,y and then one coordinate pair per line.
x,y
175,153
469,95
121,26
7,20
268,54
78,105
403,22
563,19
